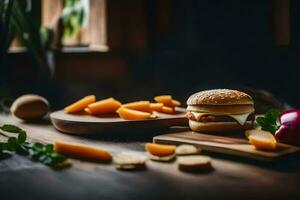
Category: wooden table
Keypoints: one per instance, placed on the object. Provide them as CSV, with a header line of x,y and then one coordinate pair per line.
x,y
231,178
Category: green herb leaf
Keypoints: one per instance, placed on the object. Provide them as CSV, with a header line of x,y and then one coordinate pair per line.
x,y
12,144
43,153
269,122
1,146
37,146
11,128
48,147
22,137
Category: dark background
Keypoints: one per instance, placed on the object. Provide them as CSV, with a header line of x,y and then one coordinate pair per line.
x,y
225,44
211,44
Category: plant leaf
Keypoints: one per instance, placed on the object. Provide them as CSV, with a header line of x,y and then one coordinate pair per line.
x,y
48,147
22,137
43,153
272,114
11,128
12,144
269,122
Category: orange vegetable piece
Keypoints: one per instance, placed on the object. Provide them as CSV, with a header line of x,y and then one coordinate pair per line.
x,y
263,140
104,106
168,110
80,104
82,151
87,110
165,99
129,114
160,149
176,103
138,105
156,106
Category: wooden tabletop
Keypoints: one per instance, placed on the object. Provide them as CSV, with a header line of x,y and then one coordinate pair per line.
x,y
232,178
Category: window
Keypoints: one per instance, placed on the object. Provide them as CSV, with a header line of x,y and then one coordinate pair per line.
x,y
92,36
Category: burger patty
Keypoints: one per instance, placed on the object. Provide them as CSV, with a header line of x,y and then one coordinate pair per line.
x,y
216,118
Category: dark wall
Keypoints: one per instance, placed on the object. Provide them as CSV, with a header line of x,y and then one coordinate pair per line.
x,y
217,44
211,44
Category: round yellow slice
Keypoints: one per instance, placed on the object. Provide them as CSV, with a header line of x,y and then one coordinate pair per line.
x,y
194,163
186,149
129,161
161,158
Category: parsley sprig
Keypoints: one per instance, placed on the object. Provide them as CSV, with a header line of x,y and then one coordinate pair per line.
x,y
43,153
269,122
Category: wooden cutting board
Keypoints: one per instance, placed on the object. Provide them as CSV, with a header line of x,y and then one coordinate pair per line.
x,y
86,124
225,145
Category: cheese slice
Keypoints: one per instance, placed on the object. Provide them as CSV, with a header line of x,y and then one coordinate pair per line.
x,y
240,118
198,115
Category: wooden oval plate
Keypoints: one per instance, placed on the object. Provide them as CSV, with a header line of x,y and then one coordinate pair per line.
x,y
87,124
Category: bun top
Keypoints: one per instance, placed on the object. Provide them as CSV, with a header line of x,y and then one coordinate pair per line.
x,y
220,97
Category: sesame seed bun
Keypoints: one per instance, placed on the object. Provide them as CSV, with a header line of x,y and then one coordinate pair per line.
x,y
220,97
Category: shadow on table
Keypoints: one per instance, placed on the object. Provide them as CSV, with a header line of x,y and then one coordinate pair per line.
x,y
43,121
134,135
4,156
288,163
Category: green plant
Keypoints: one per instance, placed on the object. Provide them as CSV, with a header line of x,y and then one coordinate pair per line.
x,y
29,34
269,122
5,36
43,153
74,16
16,20
5,39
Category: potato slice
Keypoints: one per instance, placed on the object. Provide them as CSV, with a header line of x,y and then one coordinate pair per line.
x,y
156,106
164,99
138,105
161,158
129,114
194,163
168,110
186,149
262,140
104,106
80,104
160,150
129,161
82,151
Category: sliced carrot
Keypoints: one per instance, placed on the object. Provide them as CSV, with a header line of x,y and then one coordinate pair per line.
x,y
160,149
168,110
263,140
176,103
263,144
82,151
138,105
129,114
87,110
80,104
165,99
104,106
156,106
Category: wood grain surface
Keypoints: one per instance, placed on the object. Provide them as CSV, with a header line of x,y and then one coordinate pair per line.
x,y
87,124
231,178
226,144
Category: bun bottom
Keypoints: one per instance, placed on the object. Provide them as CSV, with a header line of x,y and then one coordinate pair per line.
x,y
218,127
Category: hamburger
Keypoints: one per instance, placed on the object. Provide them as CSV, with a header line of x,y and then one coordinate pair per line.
x,y
220,110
